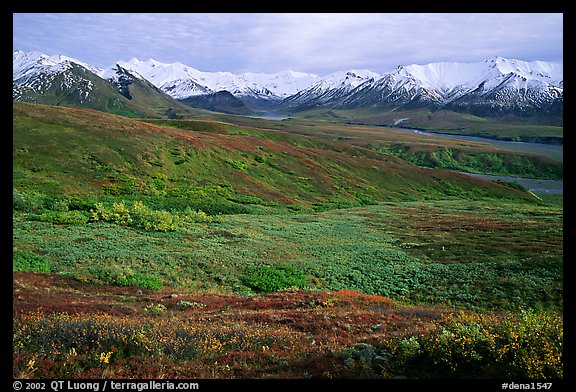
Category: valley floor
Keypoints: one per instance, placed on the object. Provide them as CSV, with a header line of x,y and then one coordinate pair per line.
x,y
474,291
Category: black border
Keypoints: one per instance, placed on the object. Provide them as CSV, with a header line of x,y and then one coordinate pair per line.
x,y
249,385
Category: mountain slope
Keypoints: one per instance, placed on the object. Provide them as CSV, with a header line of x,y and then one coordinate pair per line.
x,y
59,80
330,88
493,87
182,81
497,87
63,81
90,151
143,95
222,101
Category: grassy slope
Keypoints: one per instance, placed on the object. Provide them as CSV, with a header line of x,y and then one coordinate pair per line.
x,y
426,151
436,152
61,150
473,254
73,159
437,239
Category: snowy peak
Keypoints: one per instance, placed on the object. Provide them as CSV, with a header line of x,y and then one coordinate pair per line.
x,y
444,76
120,78
346,79
493,87
181,81
496,86
29,63
35,74
281,84
63,81
174,79
330,88
535,70
116,72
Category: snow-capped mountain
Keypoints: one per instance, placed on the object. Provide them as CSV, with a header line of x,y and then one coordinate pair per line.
x,y
282,84
493,86
182,81
122,79
30,63
44,79
330,88
176,79
41,78
515,86
62,80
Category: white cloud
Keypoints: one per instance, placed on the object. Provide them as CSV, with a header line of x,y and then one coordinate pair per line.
x,y
309,42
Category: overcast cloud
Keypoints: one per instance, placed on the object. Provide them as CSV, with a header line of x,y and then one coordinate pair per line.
x,y
315,43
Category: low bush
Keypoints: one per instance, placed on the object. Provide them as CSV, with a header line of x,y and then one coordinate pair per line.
x,y
190,215
238,165
142,281
274,278
118,275
138,216
28,201
142,217
528,346
40,203
65,217
93,341
28,261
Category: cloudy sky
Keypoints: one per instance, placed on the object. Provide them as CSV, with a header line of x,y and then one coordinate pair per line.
x,y
318,43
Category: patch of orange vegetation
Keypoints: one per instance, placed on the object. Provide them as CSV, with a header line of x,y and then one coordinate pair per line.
x,y
288,334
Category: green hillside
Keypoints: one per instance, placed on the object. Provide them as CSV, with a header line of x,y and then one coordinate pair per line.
x,y
125,180
201,249
78,87
77,151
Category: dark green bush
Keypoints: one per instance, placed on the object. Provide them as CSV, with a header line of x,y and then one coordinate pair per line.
x,y
142,281
27,201
120,276
28,261
274,278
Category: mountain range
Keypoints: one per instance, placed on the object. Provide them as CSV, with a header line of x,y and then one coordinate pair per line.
x,y
495,87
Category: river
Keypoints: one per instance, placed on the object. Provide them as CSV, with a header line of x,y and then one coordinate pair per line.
x,y
536,185
269,115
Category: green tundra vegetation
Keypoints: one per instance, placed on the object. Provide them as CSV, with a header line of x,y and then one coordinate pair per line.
x,y
207,249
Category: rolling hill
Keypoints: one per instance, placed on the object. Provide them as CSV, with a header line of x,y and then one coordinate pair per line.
x,y
202,249
66,151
